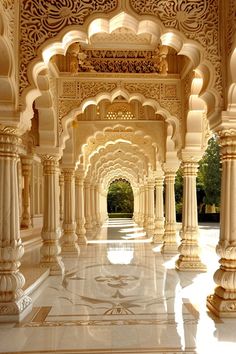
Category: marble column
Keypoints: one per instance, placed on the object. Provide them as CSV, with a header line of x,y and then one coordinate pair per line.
x,y
136,206
145,222
61,199
79,208
159,220
26,164
189,259
223,301
150,211
170,242
142,206
51,231
88,220
70,246
97,205
14,304
92,206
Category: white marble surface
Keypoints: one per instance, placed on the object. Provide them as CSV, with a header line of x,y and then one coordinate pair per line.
x,y
122,295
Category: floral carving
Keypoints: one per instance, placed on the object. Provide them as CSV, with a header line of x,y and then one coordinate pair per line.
x,y
41,20
74,92
198,20
231,25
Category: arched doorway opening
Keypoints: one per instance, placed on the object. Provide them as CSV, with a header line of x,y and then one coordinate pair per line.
x,y
120,199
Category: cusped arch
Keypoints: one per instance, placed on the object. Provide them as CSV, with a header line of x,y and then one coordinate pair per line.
x,y
232,87
8,85
102,139
138,24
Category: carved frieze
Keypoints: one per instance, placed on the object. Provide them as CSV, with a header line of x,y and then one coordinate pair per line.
x,y
73,92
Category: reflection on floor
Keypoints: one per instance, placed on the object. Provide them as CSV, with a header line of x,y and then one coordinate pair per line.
x,y
121,295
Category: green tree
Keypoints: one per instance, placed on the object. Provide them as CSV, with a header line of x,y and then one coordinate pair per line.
x,y
209,172
179,191
120,197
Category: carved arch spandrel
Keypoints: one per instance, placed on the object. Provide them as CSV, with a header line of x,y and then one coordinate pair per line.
x,y
173,38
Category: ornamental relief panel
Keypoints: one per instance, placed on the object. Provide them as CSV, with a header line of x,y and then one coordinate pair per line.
x,y
73,92
41,20
198,20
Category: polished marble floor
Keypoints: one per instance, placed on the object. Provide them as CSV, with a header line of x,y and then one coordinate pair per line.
x,y
121,295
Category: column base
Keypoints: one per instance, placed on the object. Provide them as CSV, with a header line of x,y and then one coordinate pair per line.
x,y
56,267
171,248
70,250
189,264
158,238
15,311
221,307
82,240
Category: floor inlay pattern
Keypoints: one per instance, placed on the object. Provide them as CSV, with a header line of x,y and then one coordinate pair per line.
x,y
123,298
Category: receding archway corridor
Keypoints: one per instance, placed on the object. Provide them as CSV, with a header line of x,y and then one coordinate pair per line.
x,y
121,295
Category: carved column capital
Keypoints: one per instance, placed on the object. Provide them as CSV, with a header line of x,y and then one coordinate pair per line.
x,y
50,164
69,174
227,140
189,168
9,141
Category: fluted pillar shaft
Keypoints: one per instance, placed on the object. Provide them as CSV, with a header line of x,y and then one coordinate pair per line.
x,y
88,223
141,205
189,259
145,210
14,304
159,217
136,206
170,243
97,205
79,209
150,211
51,231
223,302
61,199
69,239
26,164
92,204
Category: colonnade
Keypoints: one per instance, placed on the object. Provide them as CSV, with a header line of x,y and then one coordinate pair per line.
x,y
65,220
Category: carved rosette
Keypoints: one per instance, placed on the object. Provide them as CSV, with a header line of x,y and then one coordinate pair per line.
x,y
223,301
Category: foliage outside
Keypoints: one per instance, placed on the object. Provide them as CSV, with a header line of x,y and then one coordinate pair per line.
x,y
208,179
120,197
210,173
